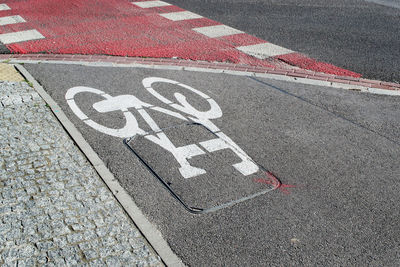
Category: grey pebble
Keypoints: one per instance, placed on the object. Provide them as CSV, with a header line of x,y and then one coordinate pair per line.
x,y
53,196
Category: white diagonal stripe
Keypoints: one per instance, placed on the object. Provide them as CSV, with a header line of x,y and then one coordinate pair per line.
x,y
182,15
263,51
148,4
4,7
11,20
217,31
15,37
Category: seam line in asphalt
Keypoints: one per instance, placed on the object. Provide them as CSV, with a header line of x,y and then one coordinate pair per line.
x,y
320,107
152,235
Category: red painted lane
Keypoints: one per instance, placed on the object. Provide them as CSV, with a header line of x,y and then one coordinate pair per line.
x,y
116,28
304,62
120,28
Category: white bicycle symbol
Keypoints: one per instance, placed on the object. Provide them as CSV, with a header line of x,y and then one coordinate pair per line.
x,y
124,102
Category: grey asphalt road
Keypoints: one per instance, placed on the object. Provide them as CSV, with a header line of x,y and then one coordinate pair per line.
x,y
339,148
362,36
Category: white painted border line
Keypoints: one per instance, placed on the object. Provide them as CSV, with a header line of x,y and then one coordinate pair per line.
x,y
149,4
149,231
181,15
264,50
22,36
4,7
217,31
11,20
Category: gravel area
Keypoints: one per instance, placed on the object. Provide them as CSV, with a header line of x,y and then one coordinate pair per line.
x,y
54,208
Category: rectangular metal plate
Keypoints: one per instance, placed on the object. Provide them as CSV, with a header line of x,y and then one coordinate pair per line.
x,y
216,185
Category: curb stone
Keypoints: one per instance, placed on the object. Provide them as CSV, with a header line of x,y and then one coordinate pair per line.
x,y
292,75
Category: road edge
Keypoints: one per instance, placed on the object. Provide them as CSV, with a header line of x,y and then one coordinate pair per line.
x,y
150,232
299,76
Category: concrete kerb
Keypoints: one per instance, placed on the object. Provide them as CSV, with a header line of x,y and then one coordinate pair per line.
x,y
149,231
279,77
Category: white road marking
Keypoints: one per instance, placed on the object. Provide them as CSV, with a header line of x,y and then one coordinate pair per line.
x,y
246,167
181,154
11,20
217,31
214,145
15,37
148,4
182,15
121,102
169,112
264,50
149,120
4,7
131,128
389,3
78,112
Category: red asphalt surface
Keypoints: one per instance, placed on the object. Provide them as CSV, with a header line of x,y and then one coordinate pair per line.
x,y
119,28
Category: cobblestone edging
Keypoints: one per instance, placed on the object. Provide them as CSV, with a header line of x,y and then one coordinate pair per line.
x,y
54,208
285,70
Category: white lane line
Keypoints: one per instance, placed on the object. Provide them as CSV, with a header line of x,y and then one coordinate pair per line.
x,y
148,4
15,37
182,15
264,50
389,3
4,7
11,20
217,31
